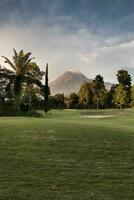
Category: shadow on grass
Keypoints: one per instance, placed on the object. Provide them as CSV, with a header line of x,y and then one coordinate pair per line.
x,y
13,113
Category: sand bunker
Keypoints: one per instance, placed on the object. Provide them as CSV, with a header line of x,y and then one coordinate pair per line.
x,y
98,116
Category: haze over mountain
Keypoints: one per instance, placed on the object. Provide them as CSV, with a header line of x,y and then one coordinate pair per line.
x,y
69,82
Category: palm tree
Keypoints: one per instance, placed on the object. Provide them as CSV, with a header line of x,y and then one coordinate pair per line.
x,y
23,71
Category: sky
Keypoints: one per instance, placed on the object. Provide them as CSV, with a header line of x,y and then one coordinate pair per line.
x,y
90,36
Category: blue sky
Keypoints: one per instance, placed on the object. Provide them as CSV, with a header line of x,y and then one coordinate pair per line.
x,y
91,36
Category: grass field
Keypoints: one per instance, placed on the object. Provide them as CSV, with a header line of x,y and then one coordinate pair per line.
x,y
65,156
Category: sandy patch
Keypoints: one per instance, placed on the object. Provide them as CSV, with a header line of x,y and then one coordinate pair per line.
x,y
98,116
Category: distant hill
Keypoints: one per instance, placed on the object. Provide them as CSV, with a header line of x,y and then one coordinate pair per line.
x,y
70,82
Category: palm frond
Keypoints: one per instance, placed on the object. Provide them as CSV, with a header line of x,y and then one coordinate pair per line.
x,y
20,60
6,75
26,61
21,53
15,57
37,74
6,71
30,80
31,66
9,62
26,56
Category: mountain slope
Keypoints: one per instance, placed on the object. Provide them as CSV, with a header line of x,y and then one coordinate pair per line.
x,y
70,82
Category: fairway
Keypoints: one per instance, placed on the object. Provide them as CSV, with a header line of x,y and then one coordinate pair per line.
x,y
64,156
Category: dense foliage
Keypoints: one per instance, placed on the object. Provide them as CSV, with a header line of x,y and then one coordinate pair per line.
x,y
22,89
20,84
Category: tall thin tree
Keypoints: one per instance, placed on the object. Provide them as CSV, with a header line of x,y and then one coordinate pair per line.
x,y
47,91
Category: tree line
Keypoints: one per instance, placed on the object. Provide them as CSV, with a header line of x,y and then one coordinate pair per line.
x,y
93,94
22,89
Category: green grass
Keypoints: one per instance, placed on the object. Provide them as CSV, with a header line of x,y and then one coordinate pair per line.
x,y
64,156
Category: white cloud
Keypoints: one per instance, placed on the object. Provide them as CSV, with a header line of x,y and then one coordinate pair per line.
x,y
90,57
59,47
83,58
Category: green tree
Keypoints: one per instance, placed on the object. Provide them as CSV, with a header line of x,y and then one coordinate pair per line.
x,y
99,92
120,96
31,98
85,95
59,101
72,101
2,92
110,96
23,71
47,90
124,78
132,96
99,82
52,102
101,98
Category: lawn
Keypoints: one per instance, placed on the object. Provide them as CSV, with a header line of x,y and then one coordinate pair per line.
x,y
65,156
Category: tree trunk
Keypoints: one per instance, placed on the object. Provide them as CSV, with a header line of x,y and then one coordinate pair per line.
x,y
30,104
17,103
17,92
97,105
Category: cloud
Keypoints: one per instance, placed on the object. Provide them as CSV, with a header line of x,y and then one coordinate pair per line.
x,y
78,35
83,58
59,47
89,58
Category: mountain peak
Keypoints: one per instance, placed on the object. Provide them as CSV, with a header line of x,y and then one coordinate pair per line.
x,y
70,82
71,72
74,72
77,72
